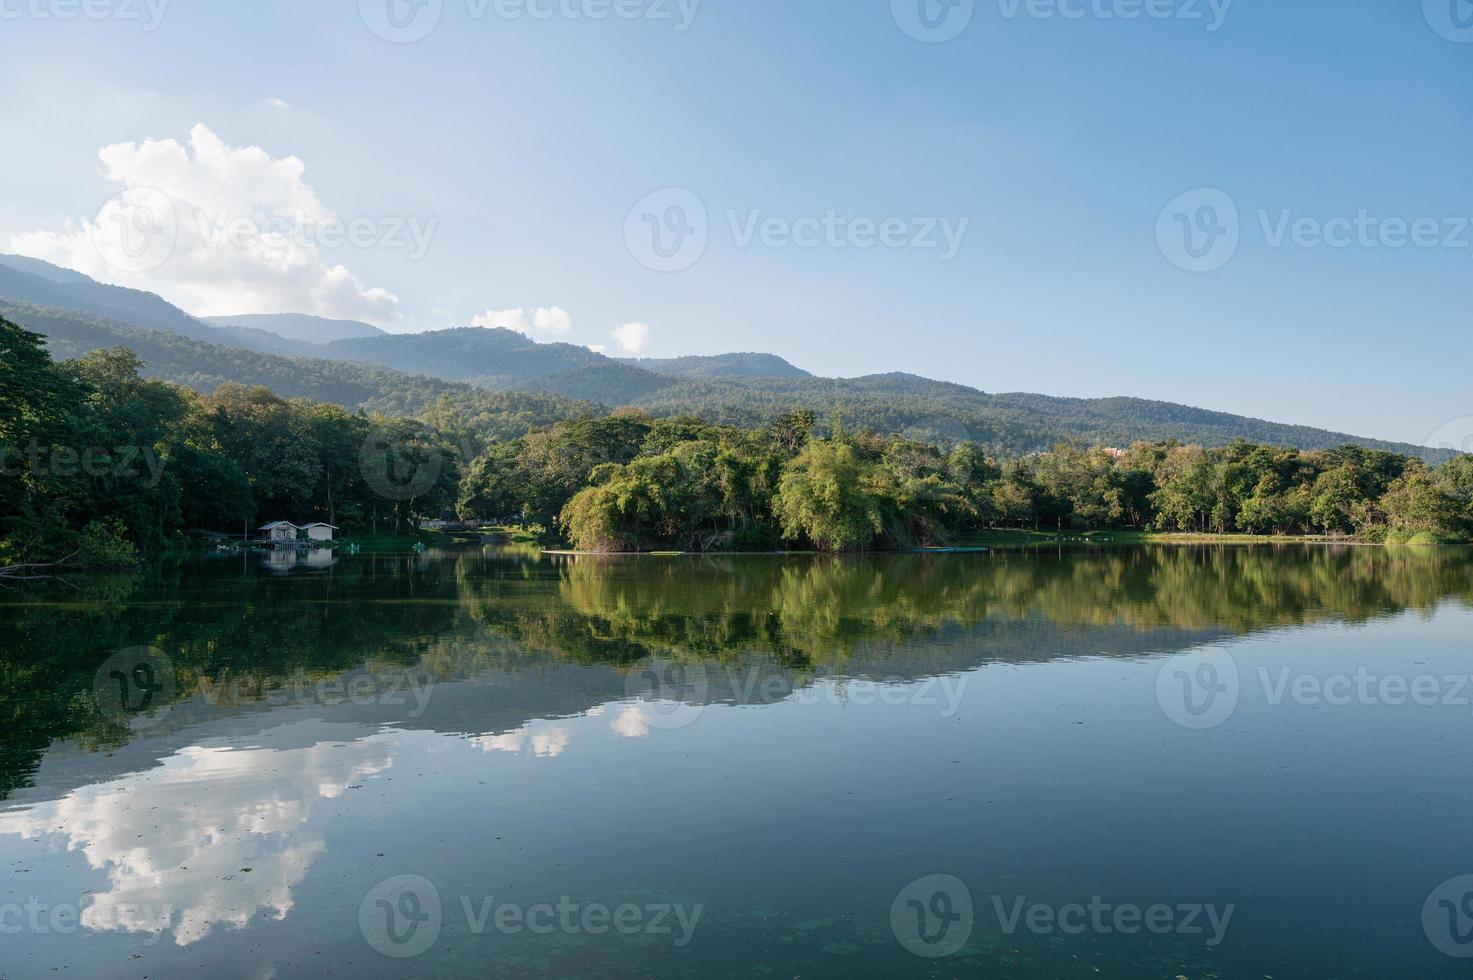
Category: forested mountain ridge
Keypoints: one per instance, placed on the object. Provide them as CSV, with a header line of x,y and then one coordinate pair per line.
x,y
936,411
299,326
743,365
402,372
207,367
465,353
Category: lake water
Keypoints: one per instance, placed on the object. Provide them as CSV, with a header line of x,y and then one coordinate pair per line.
x,y
1152,762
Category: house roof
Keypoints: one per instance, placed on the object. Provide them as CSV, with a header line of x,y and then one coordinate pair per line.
x,y
319,524
276,524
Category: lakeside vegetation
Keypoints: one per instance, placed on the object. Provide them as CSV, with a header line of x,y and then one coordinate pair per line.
x,y
100,463
631,483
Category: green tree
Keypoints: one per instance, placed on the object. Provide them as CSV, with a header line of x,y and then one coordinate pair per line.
x,y
826,497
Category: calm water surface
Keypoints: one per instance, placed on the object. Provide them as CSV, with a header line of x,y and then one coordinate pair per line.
x,y
1171,762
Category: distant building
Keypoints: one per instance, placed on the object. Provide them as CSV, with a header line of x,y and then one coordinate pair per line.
x,y
319,532
280,531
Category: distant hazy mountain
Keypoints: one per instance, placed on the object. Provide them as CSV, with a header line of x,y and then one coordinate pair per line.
x,y
466,353
503,360
45,270
719,366
26,280
299,326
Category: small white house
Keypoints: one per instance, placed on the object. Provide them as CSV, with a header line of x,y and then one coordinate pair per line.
x,y
319,532
280,531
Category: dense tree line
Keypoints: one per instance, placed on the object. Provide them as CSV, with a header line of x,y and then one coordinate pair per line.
x,y
96,458
629,483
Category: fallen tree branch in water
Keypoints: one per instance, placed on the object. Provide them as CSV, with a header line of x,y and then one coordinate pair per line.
x,y
15,571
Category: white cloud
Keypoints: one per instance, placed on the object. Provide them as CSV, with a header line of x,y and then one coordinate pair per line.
x,y
599,348
278,103
216,229
631,723
541,739
632,338
226,809
546,321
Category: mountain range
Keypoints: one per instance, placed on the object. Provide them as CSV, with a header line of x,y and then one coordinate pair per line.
x,y
358,365
298,326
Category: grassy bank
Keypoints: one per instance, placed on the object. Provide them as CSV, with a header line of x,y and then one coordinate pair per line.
x,y
1016,538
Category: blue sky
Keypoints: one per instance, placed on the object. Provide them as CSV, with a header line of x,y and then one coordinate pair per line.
x,y
1054,142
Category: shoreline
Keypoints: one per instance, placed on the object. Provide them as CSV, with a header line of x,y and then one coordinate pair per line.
x,y
990,543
